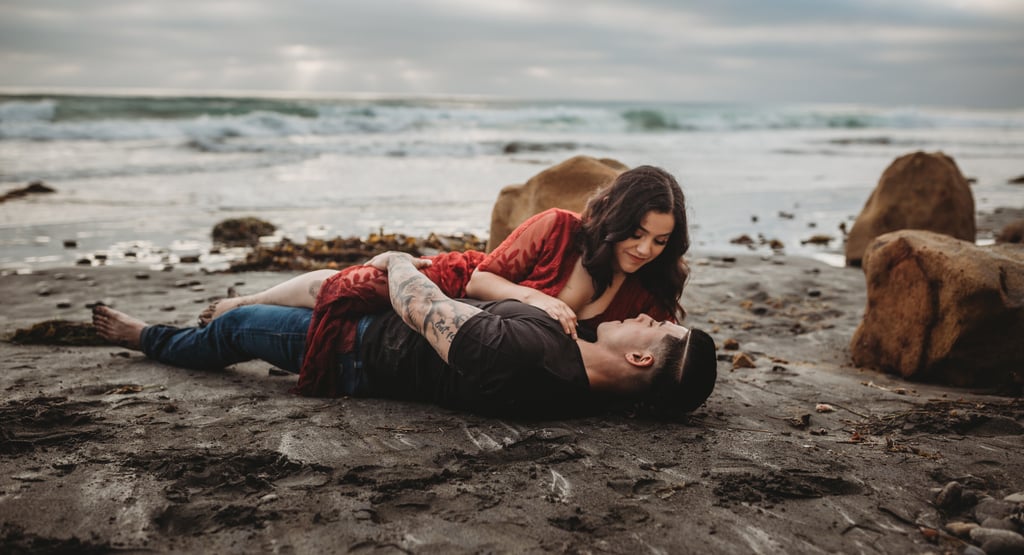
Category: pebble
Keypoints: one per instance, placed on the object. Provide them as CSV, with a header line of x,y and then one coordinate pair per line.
x,y
973,550
1015,497
994,541
949,497
962,529
743,360
167,308
999,523
64,304
730,344
989,507
268,498
70,244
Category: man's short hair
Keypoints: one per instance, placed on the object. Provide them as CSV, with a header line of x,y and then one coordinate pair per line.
x,y
684,373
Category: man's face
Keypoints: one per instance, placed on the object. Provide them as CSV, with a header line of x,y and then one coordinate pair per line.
x,y
638,333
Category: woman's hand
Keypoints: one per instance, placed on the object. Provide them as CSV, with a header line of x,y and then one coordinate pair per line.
x,y
381,260
557,310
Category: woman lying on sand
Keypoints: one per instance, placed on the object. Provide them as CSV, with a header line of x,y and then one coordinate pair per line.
x,y
621,258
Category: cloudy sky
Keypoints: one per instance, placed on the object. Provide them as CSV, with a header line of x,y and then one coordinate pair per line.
x,y
920,52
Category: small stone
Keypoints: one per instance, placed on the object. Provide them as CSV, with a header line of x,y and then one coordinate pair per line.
x,y
64,304
824,407
730,344
268,498
197,288
1015,497
989,507
43,291
995,541
949,497
961,529
813,293
973,550
999,524
167,308
70,244
743,360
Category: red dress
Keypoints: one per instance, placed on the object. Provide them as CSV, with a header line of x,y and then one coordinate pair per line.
x,y
539,254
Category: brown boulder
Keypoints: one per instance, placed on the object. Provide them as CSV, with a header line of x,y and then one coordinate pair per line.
x,y
941,309
917,191
1013,232
567,185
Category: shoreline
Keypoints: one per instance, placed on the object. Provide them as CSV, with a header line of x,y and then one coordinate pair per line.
x,y
200,257
103,449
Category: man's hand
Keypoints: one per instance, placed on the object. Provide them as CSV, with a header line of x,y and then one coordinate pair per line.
x,y
381,260
421,304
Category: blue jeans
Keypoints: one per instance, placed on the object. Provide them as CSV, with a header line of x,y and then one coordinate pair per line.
x,y
276,334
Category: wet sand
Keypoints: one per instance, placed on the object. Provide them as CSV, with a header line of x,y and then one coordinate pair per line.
x,y
102,450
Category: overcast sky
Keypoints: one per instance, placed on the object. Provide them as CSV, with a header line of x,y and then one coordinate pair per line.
x,y
919,52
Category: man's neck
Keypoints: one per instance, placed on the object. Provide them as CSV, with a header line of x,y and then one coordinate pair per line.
x,y
599,364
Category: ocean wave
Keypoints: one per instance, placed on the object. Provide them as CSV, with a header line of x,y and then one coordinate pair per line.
x,y
207,122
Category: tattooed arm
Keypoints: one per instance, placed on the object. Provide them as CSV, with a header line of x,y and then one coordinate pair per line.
x,y
421,304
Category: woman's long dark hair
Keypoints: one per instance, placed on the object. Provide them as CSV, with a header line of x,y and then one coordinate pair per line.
x,y
614,215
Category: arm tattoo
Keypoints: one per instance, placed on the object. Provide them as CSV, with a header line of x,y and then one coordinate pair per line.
x,y
424,307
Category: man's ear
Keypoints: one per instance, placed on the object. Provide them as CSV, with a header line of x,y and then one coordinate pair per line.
x,y
640,359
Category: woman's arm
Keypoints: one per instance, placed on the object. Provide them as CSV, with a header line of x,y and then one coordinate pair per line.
x,y
516,260
492,287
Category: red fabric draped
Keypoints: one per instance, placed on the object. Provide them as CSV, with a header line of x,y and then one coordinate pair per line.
x,y
540,253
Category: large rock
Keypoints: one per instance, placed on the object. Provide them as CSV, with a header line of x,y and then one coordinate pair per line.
x,y
917,191
567,185
941,309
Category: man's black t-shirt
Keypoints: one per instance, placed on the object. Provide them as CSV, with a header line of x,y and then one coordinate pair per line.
x,y
511,358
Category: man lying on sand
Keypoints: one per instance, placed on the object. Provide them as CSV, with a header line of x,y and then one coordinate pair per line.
x,y
498,357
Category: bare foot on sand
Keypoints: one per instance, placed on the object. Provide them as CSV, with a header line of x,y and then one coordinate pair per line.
x,y
117,327
221,306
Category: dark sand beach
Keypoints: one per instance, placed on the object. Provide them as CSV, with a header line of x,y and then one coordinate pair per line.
x,y
102,450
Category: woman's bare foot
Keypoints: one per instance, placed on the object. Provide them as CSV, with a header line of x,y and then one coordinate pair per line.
x,y
221,306
117,327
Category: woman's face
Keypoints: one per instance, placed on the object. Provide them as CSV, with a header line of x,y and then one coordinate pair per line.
x,y
647,242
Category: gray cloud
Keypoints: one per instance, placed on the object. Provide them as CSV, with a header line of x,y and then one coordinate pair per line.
x,y
917,52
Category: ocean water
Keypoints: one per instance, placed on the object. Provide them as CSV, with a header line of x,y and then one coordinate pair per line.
x,y
143,179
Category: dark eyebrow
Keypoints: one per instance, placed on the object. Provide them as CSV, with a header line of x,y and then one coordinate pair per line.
x,y
645,230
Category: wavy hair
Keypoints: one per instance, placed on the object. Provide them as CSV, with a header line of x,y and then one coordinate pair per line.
x,y
615,213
